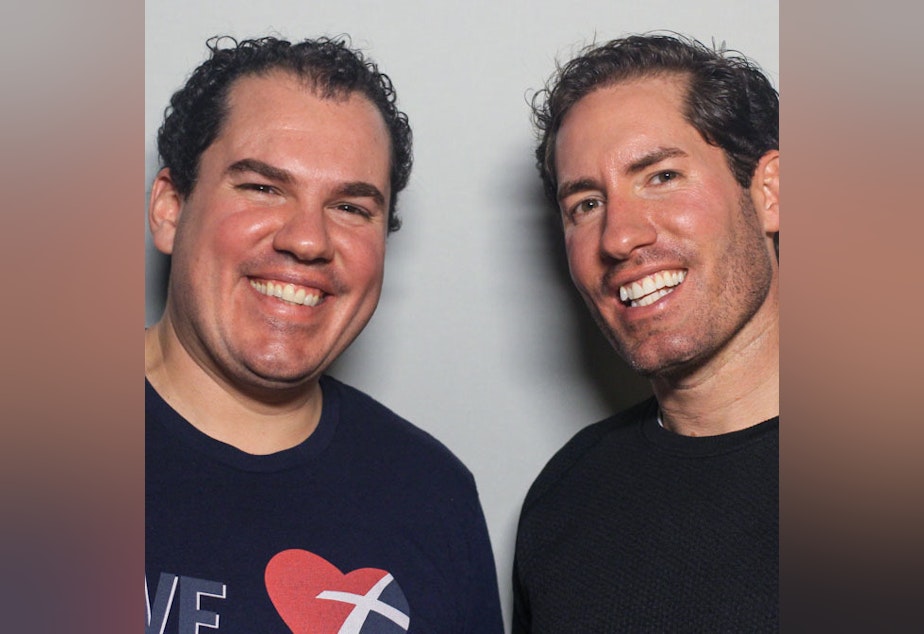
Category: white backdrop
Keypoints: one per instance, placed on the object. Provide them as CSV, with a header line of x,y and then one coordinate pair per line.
x,y
479,337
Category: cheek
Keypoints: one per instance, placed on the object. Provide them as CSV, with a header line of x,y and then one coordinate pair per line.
x,y
582,260
364,258
703,222
690,214
376,267
718,199
372,277
238,230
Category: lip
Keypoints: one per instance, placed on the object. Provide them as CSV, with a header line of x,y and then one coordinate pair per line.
x,y
611,283
315,284
611,286
317,288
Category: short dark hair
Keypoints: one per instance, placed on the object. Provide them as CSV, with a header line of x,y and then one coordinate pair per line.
x,y
729,100
197,111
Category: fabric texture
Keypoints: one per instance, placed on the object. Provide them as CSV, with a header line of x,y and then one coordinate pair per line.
x,y
632,528
370,525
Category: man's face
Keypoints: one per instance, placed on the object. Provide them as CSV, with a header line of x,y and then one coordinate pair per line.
x,y
671,255
278,252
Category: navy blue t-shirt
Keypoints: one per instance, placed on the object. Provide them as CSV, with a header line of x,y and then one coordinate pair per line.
x,y
369,525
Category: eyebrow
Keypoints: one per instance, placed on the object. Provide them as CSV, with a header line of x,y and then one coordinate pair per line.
x,y
355,189
643,162
263,169
653,158
361,189
575,186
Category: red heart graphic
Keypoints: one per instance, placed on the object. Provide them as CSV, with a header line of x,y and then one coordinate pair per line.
x,y
295,578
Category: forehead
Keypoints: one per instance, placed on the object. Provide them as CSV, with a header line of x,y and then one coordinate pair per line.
x,y
645,107
279,119
280,101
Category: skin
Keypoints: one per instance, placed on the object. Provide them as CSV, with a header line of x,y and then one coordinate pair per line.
x,y
294,190
641,191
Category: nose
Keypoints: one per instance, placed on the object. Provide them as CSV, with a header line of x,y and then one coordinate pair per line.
x,y
305,235
627,226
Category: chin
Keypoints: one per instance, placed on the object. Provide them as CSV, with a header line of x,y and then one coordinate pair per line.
x,y
660,363
280,375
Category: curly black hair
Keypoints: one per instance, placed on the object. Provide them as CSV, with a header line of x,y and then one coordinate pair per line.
x,y
198,110
729,100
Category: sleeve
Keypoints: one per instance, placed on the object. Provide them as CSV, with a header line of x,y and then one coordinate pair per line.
x,y
521,614
484,614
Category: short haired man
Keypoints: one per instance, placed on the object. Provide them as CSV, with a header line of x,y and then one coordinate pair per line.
x,y
279,499
662,155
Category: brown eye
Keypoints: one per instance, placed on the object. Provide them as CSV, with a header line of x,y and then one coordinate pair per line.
x,y
663,177
586,206
260,188
353,209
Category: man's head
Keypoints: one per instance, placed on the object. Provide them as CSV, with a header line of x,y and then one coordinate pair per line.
x,y
276,219
662,156
727,99
332,70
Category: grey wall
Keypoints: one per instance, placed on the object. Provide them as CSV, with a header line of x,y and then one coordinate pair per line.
x,y
479,337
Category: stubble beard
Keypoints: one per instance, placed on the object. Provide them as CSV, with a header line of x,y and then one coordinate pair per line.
x,y
683,353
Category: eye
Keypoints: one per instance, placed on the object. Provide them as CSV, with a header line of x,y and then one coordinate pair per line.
x,y
664,177
584,207
260,188
353,209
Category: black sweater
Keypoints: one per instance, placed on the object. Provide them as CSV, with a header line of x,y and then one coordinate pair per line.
x,y
631,528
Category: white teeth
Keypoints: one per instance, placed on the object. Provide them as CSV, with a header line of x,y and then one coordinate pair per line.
x,y
650,299
286,292
651,288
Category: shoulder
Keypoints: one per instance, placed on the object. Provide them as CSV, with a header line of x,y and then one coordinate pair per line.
x,y
373,427
582,446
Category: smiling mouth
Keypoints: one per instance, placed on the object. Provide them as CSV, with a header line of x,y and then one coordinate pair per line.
x,y
651,288
289,293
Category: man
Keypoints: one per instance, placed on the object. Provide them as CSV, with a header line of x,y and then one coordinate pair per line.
x,y
663,158
279,499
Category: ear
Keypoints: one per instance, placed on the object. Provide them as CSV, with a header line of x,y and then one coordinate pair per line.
x,y
164,211
765,191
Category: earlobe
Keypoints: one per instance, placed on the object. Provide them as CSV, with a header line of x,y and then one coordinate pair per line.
x,y
164,211
765,190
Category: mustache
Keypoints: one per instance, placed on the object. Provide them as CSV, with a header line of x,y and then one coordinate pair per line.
x,y
671,258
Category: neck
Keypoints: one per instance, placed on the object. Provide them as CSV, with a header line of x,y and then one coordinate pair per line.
x,y
218,408
738,388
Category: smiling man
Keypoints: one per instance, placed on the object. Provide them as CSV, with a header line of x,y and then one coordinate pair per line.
x,y
279,499
663,157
